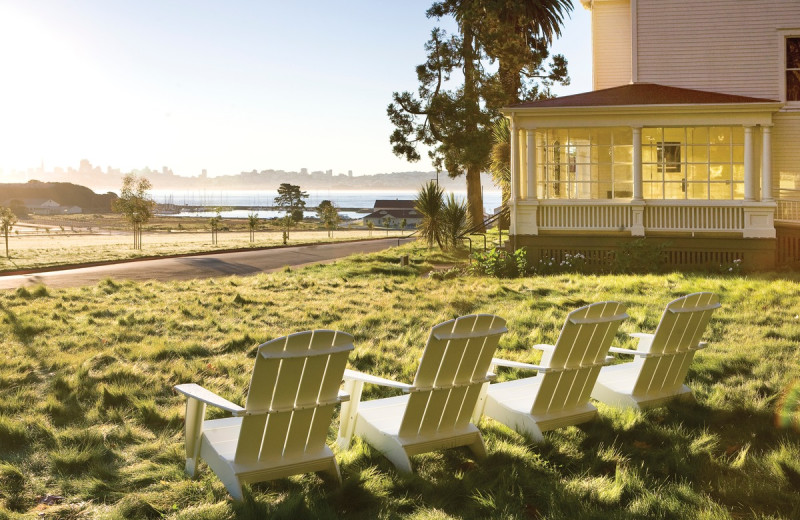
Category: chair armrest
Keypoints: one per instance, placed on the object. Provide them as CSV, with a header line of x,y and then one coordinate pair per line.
x,y
207,396
545,347
628,351
645,340
701,345
518,364
354,375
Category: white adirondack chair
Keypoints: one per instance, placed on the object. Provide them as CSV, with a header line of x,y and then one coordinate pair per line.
x,y
281,430
662,359
559,395
436,412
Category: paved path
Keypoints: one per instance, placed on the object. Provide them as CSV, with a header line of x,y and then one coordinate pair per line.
x,y
201,266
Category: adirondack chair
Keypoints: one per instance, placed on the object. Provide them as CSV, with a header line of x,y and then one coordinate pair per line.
x,y
436,412
281,430
662,359
559,395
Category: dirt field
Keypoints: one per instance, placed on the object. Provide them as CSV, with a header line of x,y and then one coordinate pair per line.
x,y
46,241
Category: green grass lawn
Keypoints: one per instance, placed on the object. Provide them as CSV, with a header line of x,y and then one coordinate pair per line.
x,y
87,409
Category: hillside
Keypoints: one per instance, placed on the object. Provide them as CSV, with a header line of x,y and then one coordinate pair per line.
x,y
65,193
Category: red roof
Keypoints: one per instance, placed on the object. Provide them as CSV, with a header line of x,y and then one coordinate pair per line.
x,y
641,94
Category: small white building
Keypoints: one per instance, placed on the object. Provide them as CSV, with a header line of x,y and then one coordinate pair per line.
x,y
394,212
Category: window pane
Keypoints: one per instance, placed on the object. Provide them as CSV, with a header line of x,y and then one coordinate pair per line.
x,y
720,190
651,135
579,135
720,172
603,172
697,190
677,135
738,172
601,154
738,190
601,136
623,173
674,190
623,190
697,154
623,154
651,172
720,135
697,135
585,190
793,85
623,135
737,133
697,172
652,190
720,154
581,154
650,154
793,53
738,154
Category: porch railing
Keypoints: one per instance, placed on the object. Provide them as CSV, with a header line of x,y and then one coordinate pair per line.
x,y
685,217
720,216
788,210
585,216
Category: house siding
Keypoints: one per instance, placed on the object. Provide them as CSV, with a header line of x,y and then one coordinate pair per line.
x,y
730,46
611,40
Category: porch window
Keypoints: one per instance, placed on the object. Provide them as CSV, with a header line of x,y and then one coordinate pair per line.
x,y
584,163
693,163
792,69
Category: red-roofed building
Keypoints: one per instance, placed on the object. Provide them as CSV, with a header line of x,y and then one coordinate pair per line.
x,y
691,138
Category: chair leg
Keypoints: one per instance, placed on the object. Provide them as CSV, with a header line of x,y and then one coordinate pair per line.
x,y
349,413
399,458
332,472
478,448
195,411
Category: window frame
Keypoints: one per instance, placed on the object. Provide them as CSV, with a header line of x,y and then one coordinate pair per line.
x,y
785,34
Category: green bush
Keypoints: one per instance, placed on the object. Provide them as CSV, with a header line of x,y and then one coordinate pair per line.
x,y
500,263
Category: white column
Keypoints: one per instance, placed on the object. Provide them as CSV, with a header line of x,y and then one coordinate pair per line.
x,y
514,141
766,163
749,174
637,163
531,149
523,165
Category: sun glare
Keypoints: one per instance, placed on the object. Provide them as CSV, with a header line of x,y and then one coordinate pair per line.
x,y
46,91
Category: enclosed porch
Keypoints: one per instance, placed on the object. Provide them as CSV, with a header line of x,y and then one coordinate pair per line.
x,y
688,168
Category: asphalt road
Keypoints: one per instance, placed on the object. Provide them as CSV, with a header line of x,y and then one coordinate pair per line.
x,y
201,266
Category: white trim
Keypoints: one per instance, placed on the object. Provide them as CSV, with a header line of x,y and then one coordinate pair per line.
x,y
634,42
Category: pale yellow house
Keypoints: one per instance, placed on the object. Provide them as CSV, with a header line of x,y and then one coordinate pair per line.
x,y
690,137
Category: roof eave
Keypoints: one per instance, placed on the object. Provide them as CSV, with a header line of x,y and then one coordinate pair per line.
x,y
749,107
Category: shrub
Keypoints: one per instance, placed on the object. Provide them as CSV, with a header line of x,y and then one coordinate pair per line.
x,y
500,263
641,256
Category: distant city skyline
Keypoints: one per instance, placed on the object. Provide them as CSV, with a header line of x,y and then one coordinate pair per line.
x,y
225,88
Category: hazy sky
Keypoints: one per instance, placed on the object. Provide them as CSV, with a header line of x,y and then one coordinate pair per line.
x,y
228,86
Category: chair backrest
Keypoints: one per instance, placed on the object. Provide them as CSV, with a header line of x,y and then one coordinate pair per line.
x,y
293,393
451,372
682,325
579,353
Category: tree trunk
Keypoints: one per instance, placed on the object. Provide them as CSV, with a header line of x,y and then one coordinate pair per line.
x,y
474,195
475,199
7,255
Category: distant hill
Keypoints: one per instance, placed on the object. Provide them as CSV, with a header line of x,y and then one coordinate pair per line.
x,y
271,179
65,193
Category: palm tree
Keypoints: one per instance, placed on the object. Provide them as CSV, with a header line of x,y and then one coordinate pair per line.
x,y
429,205
454,221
